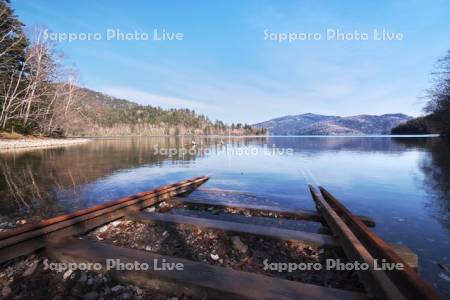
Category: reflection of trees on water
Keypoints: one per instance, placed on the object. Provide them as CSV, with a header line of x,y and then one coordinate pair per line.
x,y
13,183
39,181
436,169
32,180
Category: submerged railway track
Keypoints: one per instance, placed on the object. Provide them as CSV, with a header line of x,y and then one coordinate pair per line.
x,y
61,238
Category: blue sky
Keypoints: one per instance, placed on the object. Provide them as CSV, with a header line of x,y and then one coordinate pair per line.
x,y
225,68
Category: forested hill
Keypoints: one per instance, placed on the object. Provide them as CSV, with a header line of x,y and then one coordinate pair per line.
x,y
104,115
437,119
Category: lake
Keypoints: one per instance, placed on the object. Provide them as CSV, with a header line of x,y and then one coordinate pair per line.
x,y
402,183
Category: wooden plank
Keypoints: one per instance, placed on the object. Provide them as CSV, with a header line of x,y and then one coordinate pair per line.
x,y
313,239
404,252
401,250
409,282
377,283
227,191
30,239
198,280
307,215
408,256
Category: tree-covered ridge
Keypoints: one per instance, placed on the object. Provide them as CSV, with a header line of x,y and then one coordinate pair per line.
x,y
107,110
108,115
414,126
438,107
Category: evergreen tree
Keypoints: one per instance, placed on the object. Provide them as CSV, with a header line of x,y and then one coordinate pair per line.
x,y
13,44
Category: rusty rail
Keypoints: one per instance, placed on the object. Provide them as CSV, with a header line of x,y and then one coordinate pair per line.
x,y
359,244
29,238
407,280
362,245
376,283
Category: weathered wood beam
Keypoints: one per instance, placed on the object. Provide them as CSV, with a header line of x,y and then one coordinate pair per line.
x,y
404,252
307,215
313,239
408,256
197,280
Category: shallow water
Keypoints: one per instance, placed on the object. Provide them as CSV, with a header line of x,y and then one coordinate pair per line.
x,y
402,183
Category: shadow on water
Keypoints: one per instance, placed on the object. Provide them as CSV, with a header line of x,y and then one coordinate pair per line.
x,y
435,167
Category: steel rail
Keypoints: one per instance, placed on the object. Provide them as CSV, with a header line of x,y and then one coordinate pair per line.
x,y
29,238
377,283
407,280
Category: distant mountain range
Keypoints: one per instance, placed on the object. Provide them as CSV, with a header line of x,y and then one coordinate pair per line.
x,y
312,124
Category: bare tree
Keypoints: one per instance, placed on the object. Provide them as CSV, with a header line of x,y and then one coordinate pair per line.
x,y
39,95
439,95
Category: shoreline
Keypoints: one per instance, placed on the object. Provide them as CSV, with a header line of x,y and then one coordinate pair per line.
x,y
38,143
26,143
260,136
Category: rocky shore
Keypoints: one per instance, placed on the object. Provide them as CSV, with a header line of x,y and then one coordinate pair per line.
x,y
27,277
11,144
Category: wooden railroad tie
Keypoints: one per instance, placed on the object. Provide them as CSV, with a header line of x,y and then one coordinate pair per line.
x,y
57,237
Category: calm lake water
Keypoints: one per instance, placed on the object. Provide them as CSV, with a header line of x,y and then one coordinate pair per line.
x,y
402,183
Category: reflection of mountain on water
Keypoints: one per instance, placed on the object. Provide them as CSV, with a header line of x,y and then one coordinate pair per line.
x,y
317,144
436,169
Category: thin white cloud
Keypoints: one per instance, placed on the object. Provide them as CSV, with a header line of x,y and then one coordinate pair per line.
x,y
148,98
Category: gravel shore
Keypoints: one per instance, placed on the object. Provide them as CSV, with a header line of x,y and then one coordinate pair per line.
x,y
6,144
28,277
